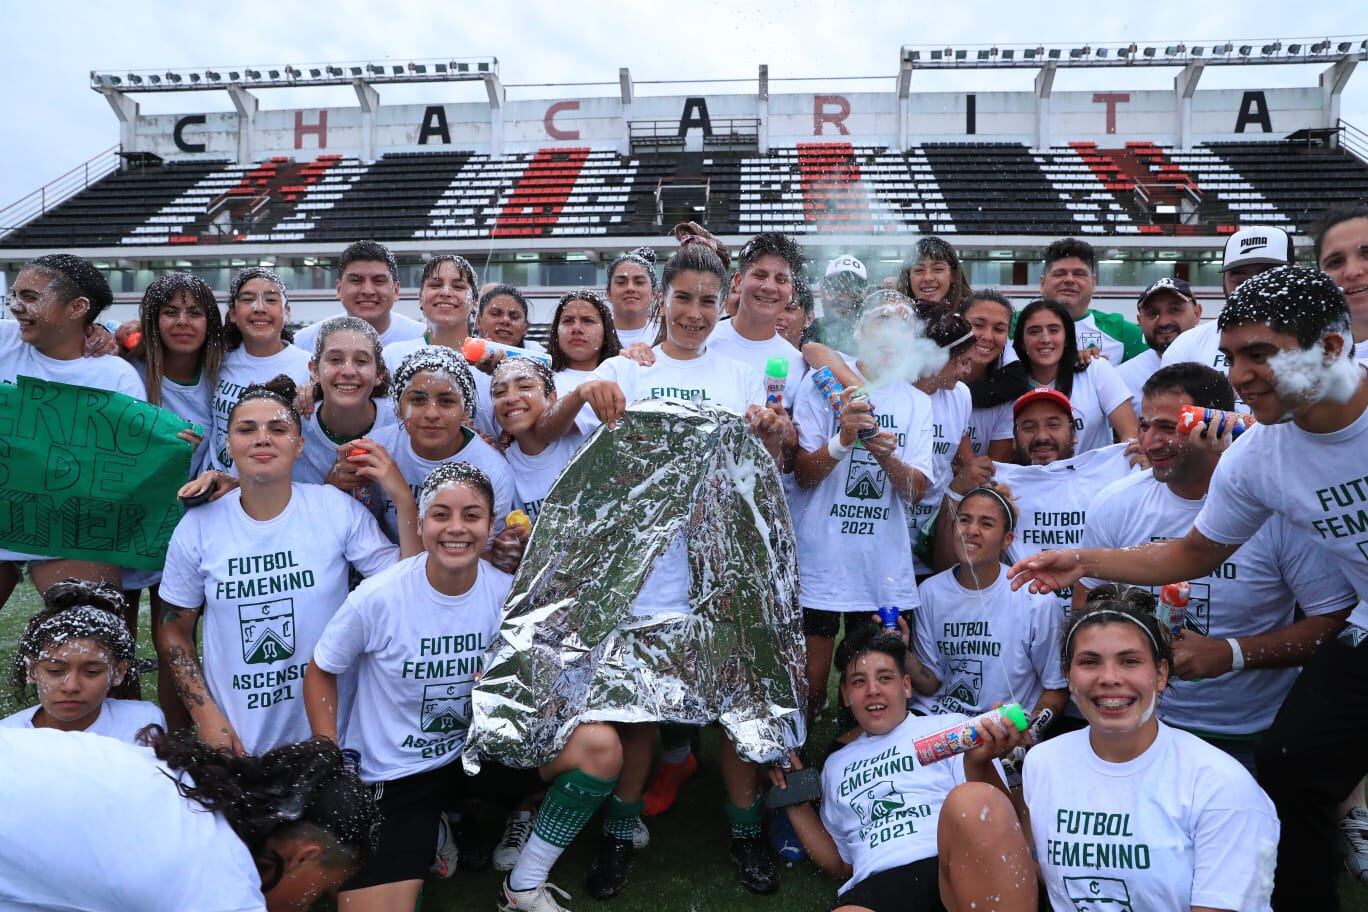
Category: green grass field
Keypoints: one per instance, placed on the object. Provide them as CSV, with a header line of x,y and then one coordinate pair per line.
x,y
685,869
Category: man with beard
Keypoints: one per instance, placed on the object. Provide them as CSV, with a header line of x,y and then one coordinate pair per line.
x,y
1053,487
1165,310
1242,640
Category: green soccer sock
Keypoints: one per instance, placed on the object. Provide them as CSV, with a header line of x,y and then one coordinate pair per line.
x,y
620,817
570,802
744,821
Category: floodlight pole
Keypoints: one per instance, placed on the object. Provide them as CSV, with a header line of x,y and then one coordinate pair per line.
x,y
904,101
1184,86
1332,83
247,106
126,109
1044,84
762,108
627,91
495,90
369,100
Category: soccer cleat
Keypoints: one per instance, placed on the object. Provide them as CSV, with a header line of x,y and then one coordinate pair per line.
x,y
664,788
608,875
444,865
1354,830
538,899
755,865
641,837
517,830
783,838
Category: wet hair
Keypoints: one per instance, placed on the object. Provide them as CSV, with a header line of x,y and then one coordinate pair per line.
x,y
72,277
938,251
280,390
1069,363
1205,386
163,290
368,252
1001,496
946,328
434,359
692,258
869,638
75,609
610,345
455,474
771,243
1294,300
462,266
645,257
1332,218
802,292
232,335
1065,248
1110,603
499,291
305,789
982,391
352,324
520,365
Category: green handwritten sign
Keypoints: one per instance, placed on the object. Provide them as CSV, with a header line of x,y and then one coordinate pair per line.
x,y
88,474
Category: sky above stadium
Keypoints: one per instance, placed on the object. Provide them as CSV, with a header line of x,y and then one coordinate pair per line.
x,y
56,122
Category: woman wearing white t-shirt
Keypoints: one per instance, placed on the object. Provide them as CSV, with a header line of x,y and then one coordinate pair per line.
x,y
411,642
257,349
523,390
1128,812
446,296
73,653
215,833
633,290
1048,353
266,565
990,316
979,643
903,835
434,396
351,385
583,336
854,548
684,368
54,301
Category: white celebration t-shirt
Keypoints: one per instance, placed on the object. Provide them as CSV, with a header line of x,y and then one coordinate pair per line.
x,y
853,539
533,476
191,401
413,655
986,646
880,805
1256,590
1201,345
710,379
989,424
118,719
1182,825
1052,501
950,410
1135,372
645,335
239,371
1318,481
1096,393
320,447
415,469
400,328
268,588
484,408
725,340
181,857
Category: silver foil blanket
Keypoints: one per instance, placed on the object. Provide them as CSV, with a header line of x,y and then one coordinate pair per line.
x,y
570,649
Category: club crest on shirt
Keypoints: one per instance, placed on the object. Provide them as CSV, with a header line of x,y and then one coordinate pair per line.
x,y
445,708
865,479
268,631
1098,894
966,681
1089,338
877,802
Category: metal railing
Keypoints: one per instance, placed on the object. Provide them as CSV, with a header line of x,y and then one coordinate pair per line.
x,y
1353,140
59,190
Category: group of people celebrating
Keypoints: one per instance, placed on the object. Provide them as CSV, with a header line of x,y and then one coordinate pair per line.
x,y
984,515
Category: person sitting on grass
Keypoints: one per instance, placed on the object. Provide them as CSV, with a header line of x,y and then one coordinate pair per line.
x,y
902,835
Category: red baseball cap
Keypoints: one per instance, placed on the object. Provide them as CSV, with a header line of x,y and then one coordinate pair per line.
x,y
1042,394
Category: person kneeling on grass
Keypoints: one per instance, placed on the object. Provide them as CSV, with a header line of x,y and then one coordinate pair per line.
x,y
412,642
906,836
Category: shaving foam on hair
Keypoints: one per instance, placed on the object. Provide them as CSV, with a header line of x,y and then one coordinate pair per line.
x,y
441,361
452,475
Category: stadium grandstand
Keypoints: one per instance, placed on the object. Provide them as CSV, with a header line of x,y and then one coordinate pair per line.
x,y
540,193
